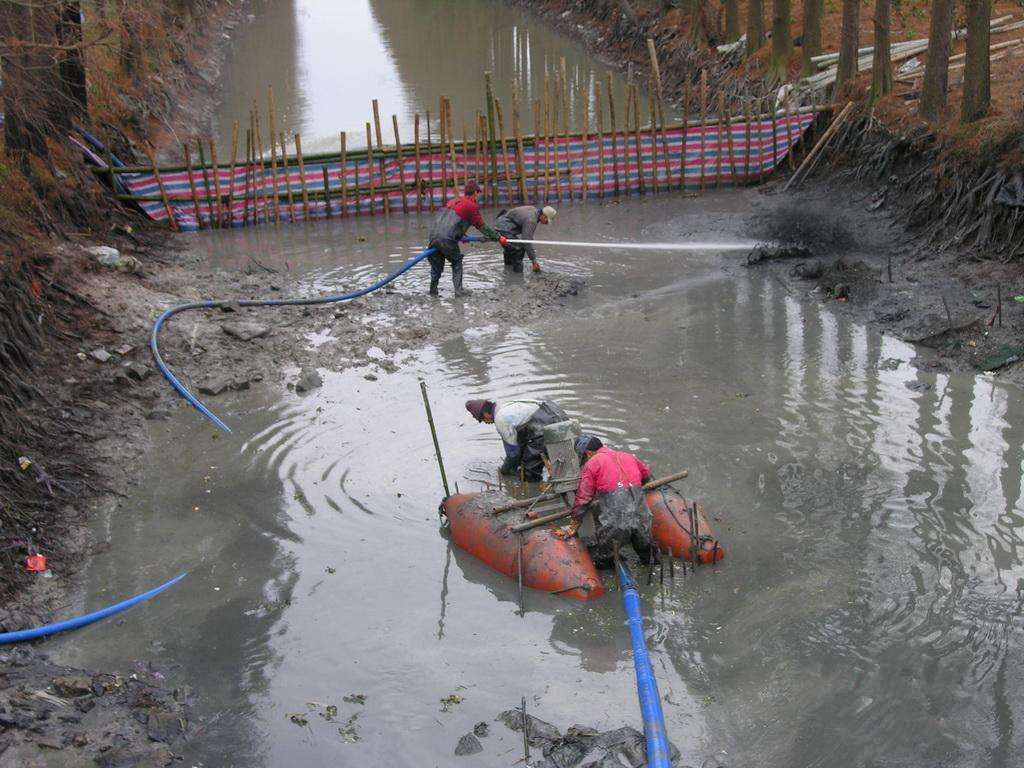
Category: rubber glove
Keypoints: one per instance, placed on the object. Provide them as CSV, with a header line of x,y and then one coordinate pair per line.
x,y
536,266
502,240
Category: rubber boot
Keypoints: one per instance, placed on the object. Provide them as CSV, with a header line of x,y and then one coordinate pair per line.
x,y
457,281
433,288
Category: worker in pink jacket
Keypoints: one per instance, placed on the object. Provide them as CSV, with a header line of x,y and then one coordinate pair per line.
x,y
611,483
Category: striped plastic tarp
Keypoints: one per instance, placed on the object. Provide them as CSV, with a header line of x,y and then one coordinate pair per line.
x,y
558,169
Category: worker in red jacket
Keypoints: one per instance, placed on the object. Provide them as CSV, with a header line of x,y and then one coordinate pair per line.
x,y
448,229
611,482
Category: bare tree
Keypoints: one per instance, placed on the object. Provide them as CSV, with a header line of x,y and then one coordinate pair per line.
x,y
732,20
936,67
977,79
782,37
849,40
755,26
881,66
811,36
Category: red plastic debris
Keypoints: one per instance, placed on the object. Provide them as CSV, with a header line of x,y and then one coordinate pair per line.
x,y
35,564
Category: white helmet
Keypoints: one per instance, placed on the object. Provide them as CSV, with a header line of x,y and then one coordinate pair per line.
x,y
549,212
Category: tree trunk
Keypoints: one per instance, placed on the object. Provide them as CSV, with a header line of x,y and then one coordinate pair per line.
x,y
72,63
782,38
881,66
811,45
755,26
32,94
977,81
849,41
936,67
732,21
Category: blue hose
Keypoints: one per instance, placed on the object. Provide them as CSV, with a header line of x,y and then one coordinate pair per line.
x,y
192,399
89,618
658,755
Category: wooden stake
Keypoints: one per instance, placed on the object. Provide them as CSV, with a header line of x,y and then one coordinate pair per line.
x,y
206,182
343,173
549,108
451,147
385,201
599,114
611,120
775,137
430,165
656,74
654,144
263,175
520,164
302,177
231,183
686,132
401,169
216,182
477,150
369,165
564,92
636,139
327,192
444,160
719,140
789,132
750,149
537,136
703,120
287,177
504,152
416,151
732,151
163,191
584,105
465,155
433,436
273,153
192,186
492,148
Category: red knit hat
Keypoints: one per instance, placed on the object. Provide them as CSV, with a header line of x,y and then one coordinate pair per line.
x,y
471,188
477,408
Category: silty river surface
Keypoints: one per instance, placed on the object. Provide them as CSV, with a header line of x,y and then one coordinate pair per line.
x,y
868,612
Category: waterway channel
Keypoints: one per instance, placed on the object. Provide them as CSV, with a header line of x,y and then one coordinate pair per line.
x,y
868,612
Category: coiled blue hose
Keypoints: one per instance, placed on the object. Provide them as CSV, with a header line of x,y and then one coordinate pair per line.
x,y
192,399
658,755
89,618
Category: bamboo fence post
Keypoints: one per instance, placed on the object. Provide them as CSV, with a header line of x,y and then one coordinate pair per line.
x,y
686,134
417,178
302,177
548,109
250,170
599,114
654,144
343,173
401,169
520,163
192,186
556,99
287,178
173,222
477,149
504,152
626,129
369,165
746,171
537,134
263,175
248,167
444,159
216,182
206,181
584,106
451,146
430,166
775,136
636,139
385,200
564,92
703,120
659,92
789,131
231,174
355,187
465,155
760,145
611,121
492,146
272,128
718,142
327,192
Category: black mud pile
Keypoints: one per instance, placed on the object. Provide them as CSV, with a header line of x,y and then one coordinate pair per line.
x,y
56,715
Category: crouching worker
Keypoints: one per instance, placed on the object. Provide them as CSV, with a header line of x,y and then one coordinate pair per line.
x,y
611,485
520,423
521,224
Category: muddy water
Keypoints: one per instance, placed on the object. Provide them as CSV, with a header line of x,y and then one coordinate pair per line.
x,y
868,612
326,62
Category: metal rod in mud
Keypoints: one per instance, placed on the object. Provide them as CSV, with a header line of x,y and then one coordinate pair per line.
x,y
302,177
216,182
526,734
206,181
192,186
173,222
343,174
416,155
599,115
611,120
492,147
272,128
287,178
703,120
327,192
401,169
504,153
231,174
433,435
520,166
369,164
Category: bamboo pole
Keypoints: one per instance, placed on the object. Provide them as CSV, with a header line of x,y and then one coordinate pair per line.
x,y
343,173
287,177
259,156
302,177
626,130
356,187
173,222
686,135
451,147
369,165
775,137
492,146
747,111
636,138
416,155
789,131
564,92
520,164
433,435
549,113
385,200
703,120
192,186
659,92
808,162
206,182
537,134
250,171
231,183
430,165
401,168
599,114
444,159
216,182
327,192
556,98
718,136
584,106
465,155
272,128
611,120
477,149
504,151
651,108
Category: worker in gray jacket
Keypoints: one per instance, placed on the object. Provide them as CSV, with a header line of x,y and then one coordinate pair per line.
x,y
521,224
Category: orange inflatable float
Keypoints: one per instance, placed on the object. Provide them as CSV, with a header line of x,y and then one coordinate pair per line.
x,y
565,567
